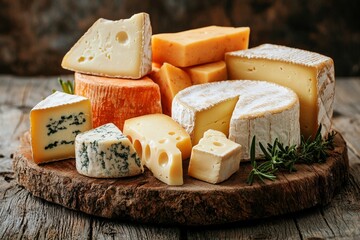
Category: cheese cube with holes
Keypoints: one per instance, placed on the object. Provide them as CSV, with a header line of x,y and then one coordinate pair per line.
x,y
240,109
162,145
205,73
309,74
198,46
171,80
215,158
113,48
54,124
104,152
115,100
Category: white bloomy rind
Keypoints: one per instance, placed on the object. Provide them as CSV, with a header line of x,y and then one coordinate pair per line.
x,y
265,110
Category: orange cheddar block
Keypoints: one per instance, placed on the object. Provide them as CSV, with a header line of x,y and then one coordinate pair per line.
x,y
114,100
205,73
198,46
171,80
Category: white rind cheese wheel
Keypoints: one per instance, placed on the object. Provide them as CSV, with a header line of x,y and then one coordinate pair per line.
x,y
104,152
240,109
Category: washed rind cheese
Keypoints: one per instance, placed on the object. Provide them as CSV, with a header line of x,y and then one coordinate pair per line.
x,y
113,48
104,152
309,74
114,100
240,109
54,124
198,46
215,158
162,145
171,80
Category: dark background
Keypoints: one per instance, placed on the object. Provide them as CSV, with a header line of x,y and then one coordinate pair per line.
x,y
35,34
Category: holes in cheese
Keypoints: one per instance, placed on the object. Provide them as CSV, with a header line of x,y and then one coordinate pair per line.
x,y
100,50
171,80
215,158
115,100
198,46
54,124
309,74
163,148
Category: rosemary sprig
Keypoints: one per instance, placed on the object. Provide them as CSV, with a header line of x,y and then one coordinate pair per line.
x,y
67,86
280,157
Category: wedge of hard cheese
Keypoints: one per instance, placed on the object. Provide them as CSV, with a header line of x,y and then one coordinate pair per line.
x,y
114,100
309,74
162,145
241,110
113,48
198,46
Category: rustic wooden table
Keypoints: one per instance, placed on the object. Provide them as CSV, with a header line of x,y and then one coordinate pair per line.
x,y
28,217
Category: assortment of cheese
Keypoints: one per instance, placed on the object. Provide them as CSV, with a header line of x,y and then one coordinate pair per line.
x,y
156,100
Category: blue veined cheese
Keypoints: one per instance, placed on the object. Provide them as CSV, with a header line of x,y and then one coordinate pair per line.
x,y
215,158
104,152
54,124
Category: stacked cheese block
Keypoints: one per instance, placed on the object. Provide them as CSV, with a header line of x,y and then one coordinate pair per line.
x,y
170,96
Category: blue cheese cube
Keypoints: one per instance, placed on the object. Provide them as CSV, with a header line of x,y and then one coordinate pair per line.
x,y
105,152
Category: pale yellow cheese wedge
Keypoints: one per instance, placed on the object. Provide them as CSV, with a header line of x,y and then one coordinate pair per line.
x,y
205,73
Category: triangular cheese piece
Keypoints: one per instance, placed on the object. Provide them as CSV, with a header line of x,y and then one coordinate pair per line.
x,y
113,48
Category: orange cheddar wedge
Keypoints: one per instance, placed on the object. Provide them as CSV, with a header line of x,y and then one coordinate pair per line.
x,y
171,80
114,100
205,73
198,46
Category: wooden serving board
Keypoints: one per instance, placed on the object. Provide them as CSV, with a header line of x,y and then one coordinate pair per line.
x,y
145,199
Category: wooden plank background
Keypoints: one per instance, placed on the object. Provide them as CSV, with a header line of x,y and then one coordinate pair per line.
x,y
28,217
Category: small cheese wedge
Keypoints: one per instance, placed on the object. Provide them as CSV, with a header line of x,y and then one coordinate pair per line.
x,y
205,73
114,100
113,48
162,145
54,124
104,152
215,158
171,80
198,46
240,109
309,74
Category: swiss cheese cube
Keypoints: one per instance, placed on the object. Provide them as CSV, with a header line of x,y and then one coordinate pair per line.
x,y
104,152
54,124
198,46
309,74
215,158
114,100
171,80
113,48
209,72
162,145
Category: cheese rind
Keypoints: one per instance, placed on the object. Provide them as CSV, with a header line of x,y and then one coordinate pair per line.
x,y
252,108
113,48
171,80
104,152
209,72
198,46
309,74
115,100
162,144
215,158
54,124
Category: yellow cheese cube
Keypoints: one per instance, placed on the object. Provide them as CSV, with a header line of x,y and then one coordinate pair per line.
x,y
205,73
